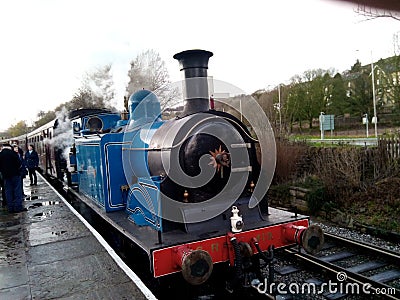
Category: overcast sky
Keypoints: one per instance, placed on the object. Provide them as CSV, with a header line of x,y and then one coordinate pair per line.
x,y
48,45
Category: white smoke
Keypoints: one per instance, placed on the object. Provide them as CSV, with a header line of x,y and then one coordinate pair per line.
x,y
63,137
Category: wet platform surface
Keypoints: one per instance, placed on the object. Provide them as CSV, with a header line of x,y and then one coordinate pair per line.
x,y
48,253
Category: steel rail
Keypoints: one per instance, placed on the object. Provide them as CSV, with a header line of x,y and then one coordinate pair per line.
x,y
333,269
390,255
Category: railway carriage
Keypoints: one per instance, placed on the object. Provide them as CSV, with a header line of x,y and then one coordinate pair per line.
x,y
40,138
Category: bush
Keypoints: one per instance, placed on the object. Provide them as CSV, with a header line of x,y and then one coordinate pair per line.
x,y
288,158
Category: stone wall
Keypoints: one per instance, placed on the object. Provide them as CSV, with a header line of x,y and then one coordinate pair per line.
x,y
298,196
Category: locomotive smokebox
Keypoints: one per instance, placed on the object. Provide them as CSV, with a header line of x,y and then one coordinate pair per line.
x,y
194,64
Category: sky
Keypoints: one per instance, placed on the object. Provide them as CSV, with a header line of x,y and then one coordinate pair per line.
x,y
48,45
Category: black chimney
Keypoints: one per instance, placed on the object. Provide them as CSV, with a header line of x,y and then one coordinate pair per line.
x,y
194,63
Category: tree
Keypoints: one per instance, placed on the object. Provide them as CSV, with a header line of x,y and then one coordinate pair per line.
x,y
84,98
387,83
377,12
97,90
360,89
44,118
316,99
100,83
293,108
148,71
273,100
18,129
266,101
308,96
360,98
338,100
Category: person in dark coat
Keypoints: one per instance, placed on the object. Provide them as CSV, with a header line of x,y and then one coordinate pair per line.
x,y
10,167
23,170
32,163
3,191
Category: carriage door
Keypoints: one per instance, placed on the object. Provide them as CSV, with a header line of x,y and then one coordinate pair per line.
x,y
47,151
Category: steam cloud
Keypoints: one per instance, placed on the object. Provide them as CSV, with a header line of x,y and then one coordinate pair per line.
x,y
63,136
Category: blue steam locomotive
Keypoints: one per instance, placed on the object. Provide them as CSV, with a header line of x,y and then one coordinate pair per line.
x,y
183,189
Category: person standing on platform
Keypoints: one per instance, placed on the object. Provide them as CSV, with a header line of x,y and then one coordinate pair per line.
x,y
32,163
10,167
23,170
3,191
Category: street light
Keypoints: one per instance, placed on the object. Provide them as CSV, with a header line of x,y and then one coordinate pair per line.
x,y
279,110
365,121
375,119
278,106
321,124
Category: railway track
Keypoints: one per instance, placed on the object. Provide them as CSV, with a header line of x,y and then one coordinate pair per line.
x,y
344,269
354,270
169,287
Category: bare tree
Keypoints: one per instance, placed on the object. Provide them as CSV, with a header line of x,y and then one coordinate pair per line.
x,y
377,8
97,90
396,43
148,71
100,84
371,12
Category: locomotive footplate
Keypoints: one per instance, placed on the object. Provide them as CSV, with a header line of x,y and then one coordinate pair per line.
x,y
278,229
220,248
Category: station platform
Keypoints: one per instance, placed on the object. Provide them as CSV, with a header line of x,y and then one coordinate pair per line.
x,y
51,252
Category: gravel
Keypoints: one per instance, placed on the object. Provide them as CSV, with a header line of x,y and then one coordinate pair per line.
x,y
358,236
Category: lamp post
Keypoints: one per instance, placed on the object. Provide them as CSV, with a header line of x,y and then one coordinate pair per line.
x,y
375,119
365,121
279,109
321,124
